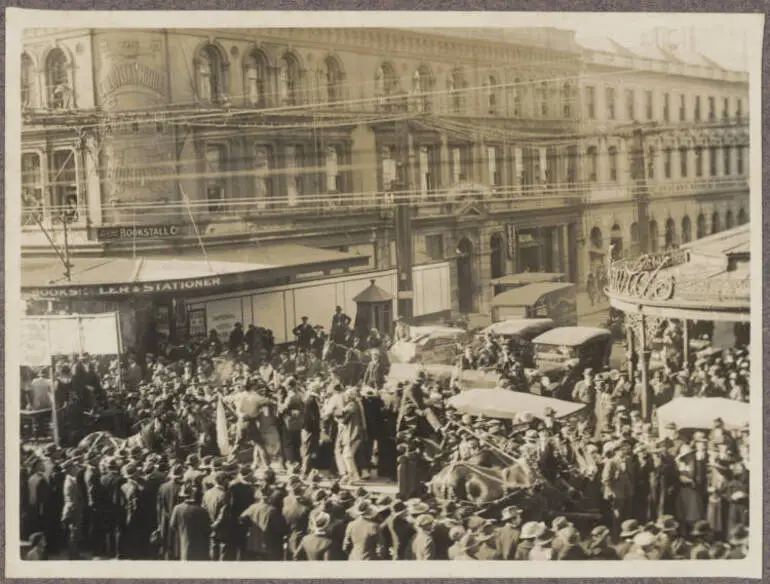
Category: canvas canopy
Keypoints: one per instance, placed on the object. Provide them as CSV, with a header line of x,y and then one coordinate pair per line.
x,y
516,327
700,412
503,403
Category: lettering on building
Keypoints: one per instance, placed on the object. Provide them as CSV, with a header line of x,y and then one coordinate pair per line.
x,y
124,289
131,232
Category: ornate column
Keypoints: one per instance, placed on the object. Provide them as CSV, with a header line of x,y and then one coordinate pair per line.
x,y
444,171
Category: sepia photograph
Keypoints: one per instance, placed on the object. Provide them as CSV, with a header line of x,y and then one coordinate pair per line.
x,y
297,287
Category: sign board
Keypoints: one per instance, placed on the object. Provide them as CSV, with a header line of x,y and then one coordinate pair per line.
x,y
124,289
43,337
510,237
130,232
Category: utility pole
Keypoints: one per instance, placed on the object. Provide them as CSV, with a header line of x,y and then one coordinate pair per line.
x,y
403,222
641,193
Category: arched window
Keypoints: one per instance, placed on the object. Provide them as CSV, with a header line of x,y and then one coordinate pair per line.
x,y
742,218
566,100
210,67
686,229
653,236
27,81
422,85
255,76
454,87
729,221
492,92
716,226
385,80
612,156
700,227
333,78
289,80
616,241
58,89
670,233
518,91
597,241
31,189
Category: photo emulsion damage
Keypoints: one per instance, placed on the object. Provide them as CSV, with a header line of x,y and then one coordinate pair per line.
x,y
339,294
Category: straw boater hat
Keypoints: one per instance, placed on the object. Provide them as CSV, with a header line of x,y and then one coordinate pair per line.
x,y
321,522
629,528
667,523
600,533
644,539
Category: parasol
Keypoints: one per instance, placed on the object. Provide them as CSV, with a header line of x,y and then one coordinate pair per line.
x,y
700,412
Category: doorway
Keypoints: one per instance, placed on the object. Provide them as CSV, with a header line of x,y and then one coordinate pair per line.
x,y
465,275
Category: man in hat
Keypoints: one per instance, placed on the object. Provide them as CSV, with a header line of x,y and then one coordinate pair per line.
x,y
702,538
296,513
292,413
236,339
167,500
72,510
672,545
39,492
570,548
628,531
305,334
214,501
396,531
362,534
132,540
189,527
598,545
422,546
644,547
318,545
508,534
340,326
739,542
618,485
529,532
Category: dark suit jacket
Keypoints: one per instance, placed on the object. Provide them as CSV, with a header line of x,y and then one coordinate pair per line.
x,y
317,548
396,533
39,493
166,501
507,541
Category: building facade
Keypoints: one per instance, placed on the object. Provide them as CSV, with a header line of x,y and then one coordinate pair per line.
x,y
136,142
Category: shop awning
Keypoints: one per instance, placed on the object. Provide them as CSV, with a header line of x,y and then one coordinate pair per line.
x,y
528,295
220,268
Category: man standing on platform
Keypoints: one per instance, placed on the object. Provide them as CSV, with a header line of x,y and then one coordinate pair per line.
x,y
305,334
340,326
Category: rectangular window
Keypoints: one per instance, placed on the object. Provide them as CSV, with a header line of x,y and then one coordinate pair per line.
x,y
65,185
651,162
739,160
712,161
495,165
427,170
331,164
738,109
592,159
214,176
667,156
434,246
682,108
727,159
294,186
712,109
698,161
263,166
683,162
591,103
630,104
648,105
544,100
612,155
697,108
726,109
389,168
456,164
609,98
31,188
666,107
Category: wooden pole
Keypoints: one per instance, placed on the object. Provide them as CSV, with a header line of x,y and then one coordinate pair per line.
x,y
644,362
686,343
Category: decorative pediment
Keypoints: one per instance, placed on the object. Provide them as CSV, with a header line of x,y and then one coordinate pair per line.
x,y
470,210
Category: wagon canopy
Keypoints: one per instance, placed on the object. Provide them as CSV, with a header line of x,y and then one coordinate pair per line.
x,y
571,336
519,327
504,403
700,412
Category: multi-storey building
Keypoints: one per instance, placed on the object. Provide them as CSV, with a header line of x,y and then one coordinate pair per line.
x,y
691,118
502,142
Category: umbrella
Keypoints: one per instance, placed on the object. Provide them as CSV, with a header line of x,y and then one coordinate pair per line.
x,y
700,412
504,403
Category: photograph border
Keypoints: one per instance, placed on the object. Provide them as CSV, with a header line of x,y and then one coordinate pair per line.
x,y
751,567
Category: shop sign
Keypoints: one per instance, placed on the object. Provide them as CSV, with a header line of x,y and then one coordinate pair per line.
x,y
121,232
124,289
526,240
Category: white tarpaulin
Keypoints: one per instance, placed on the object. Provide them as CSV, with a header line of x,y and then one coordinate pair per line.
x,y
504,403
43,337
700,412
469,378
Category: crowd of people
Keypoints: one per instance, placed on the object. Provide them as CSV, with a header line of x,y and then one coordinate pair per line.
x,y
315,429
